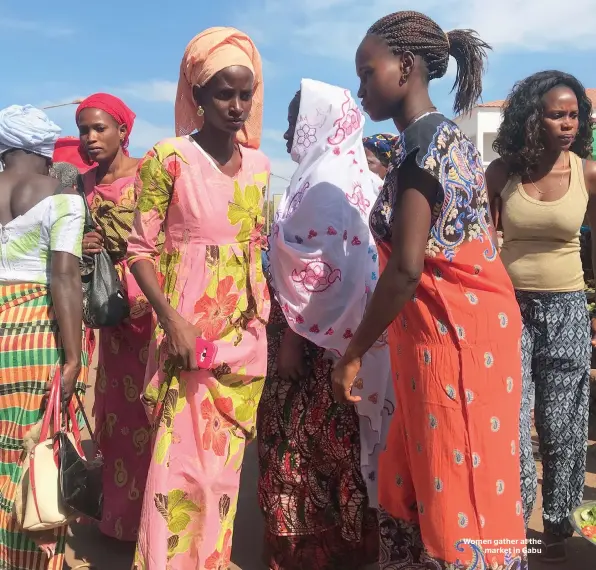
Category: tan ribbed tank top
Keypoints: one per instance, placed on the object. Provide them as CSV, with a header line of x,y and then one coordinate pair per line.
x,y
541,248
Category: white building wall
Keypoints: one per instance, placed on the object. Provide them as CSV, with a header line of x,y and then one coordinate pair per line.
x,y
468,123
482,126
489,154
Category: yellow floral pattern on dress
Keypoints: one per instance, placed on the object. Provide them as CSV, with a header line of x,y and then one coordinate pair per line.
x,y
246,210
173,401
177,510
210,272
157,178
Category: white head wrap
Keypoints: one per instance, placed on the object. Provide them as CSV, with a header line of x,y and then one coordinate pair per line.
x,y
27,128
323,258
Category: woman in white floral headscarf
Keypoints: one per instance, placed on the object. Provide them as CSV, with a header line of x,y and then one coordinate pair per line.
x,y
318,459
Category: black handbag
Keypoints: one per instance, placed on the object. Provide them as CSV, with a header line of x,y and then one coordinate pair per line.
x,y
81,485
104,300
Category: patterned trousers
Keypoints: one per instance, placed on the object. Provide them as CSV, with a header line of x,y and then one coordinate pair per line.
x,y
556,354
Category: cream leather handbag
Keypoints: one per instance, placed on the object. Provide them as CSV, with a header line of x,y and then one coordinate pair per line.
x,y
38,504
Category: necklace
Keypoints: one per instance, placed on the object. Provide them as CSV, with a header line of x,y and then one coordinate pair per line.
x,y
418,116
560,181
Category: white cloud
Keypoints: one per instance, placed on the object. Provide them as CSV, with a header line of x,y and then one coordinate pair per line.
x,y
334,28
153,91
529,24
46,29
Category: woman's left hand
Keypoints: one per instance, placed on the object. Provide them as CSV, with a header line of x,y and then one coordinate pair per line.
x,y
93,242
343,378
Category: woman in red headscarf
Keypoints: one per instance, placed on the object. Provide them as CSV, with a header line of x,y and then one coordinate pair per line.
x,y
105,123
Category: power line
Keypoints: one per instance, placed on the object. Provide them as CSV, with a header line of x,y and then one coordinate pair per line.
x,y
280,177
75,102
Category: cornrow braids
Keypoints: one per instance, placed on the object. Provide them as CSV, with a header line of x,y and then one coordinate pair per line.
x,y
418,34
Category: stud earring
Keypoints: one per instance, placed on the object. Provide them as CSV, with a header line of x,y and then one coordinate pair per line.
x,y
200,111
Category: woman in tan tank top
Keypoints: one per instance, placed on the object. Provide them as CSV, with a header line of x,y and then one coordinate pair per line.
x,y
540,190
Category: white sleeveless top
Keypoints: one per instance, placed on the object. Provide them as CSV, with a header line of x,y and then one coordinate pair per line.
x,y
54,224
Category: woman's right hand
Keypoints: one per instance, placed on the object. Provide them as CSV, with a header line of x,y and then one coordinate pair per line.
x,y
70,374
182,341
93,242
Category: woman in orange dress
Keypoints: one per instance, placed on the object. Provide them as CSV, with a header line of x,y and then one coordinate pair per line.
x,y
449,478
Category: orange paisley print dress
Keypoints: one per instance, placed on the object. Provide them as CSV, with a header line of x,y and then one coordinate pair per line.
x,y
449,479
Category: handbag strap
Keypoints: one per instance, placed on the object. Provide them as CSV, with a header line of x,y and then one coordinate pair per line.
x,y
89,223
71,417
85,418
55,411
52,408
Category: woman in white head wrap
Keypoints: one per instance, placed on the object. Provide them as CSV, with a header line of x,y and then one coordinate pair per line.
x,y
318,459
41,229
29,129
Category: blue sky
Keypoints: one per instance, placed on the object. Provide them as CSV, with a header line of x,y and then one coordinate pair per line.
x,y
58,51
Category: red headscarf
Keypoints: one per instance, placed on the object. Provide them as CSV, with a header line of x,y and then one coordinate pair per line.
x,y
114,107
67,150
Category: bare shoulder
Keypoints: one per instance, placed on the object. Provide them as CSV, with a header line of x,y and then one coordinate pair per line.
x,y
41,184
590,176
27,191
497,175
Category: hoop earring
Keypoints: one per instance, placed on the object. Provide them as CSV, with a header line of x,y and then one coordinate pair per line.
x,y
403,80
200,111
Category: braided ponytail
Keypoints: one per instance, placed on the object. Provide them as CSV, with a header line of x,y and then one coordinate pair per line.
x,y
418,34
469,51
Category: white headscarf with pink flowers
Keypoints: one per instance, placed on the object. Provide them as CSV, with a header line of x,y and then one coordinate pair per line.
x,y
323,259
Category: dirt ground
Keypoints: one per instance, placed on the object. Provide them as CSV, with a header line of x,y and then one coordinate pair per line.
x,y
87,545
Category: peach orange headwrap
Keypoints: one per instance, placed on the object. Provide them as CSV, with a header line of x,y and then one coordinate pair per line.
x,y
207,54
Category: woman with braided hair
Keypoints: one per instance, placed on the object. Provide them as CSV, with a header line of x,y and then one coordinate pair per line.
x,y
449,477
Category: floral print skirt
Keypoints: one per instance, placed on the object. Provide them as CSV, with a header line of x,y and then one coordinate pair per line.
x,y
311,489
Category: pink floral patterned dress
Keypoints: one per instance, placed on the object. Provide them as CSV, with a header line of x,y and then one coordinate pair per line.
x,y
210,269
120,418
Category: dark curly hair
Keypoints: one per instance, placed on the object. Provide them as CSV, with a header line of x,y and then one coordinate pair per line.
x,y
418,34
519,140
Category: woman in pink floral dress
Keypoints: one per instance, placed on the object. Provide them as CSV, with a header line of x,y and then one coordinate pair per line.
x,y
105,123
205,190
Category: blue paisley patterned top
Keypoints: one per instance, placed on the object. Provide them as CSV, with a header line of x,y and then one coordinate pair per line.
x,y
461,258
462,210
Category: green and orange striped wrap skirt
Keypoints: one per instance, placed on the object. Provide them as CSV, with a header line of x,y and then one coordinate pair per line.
x,y
29,353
